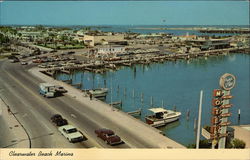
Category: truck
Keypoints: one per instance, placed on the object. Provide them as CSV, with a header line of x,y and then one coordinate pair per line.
x,y
47,90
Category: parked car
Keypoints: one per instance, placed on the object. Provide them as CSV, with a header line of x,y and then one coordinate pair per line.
x,y
72,134
14,60
58,120
108,136
24,63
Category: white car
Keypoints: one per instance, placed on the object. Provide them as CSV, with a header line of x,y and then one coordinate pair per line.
x,y
71,133
24,63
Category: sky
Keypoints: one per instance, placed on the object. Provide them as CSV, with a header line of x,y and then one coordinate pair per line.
x,y
124,12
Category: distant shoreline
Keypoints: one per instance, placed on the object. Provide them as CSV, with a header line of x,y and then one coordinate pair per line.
x,y
166,28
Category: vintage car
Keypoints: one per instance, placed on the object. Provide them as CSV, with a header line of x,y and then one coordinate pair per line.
x,y
58,120
72,134
108,136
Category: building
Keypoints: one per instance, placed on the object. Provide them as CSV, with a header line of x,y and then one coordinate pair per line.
x,y
93,40
110,50
242,132
184,37
208,44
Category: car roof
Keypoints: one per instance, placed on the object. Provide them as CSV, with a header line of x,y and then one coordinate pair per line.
x,y
67,127
106,131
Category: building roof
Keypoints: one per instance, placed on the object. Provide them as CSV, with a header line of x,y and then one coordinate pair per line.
x,y
157,110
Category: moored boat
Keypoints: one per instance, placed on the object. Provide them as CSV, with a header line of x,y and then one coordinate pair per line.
x,y
161,117
98,93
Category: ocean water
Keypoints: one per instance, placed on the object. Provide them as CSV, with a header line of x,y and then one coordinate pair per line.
x,y
178,85
147,30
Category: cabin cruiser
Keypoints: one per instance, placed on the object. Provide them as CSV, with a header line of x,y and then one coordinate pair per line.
x,y
161,117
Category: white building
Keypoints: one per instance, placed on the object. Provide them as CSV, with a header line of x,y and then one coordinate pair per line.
x,y
103,39
111,50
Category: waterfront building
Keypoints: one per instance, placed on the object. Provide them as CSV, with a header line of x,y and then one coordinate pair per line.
x,y
207,44
110,50
184,37
93,40
154,35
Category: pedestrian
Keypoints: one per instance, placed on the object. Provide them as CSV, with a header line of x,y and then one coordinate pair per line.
x,y
90,96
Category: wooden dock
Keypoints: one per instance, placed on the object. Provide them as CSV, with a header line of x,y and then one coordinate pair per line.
x,y
137,112
159,58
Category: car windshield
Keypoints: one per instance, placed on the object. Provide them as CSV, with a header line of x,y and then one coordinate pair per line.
x,y
72,130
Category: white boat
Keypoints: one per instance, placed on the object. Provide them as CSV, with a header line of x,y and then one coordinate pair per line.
x,y
161,117
100,92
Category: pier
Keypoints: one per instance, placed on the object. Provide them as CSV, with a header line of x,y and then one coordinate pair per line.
x,y
157,58
225,30
137,112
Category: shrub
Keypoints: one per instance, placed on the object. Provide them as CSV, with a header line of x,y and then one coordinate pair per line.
x,y
237,143
202,144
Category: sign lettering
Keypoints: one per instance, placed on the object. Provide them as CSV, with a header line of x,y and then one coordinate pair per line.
x,y
216,102
217,93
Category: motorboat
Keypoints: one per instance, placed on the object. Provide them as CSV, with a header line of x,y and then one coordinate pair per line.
x,y
161,117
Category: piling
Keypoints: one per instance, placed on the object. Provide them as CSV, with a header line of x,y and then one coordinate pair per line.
x,y
133,94
82,77
174,108
195,124
188,114
151,101
124,92
134,69
118,89
238,114
105,84
142,99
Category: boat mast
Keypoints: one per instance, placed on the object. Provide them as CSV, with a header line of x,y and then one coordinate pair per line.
x,y
199,121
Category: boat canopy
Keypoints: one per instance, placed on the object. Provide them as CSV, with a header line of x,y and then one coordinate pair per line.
x,y
157,110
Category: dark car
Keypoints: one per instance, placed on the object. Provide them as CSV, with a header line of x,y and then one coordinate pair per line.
x,y
61,122
113,140
58,120
55,117
104,131
108,136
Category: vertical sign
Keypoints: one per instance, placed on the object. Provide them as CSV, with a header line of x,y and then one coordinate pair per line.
x,y
220,111
227,82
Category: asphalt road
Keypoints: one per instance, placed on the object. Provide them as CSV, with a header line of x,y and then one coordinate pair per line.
x,y
8,139
20,91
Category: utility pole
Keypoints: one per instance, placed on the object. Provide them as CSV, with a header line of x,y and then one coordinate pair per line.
x,y
111,93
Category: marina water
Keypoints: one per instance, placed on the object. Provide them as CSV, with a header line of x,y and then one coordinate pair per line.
x,y
175,85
